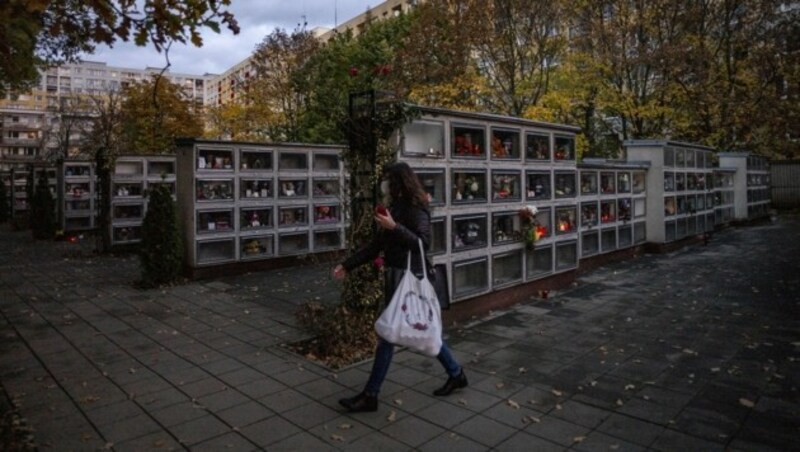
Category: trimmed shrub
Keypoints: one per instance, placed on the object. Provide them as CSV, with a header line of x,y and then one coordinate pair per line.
x,y
43,210
161,250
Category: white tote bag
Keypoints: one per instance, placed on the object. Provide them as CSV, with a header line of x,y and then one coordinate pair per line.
x,y
413,317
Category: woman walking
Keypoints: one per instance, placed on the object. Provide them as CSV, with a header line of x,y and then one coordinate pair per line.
x,y
399,230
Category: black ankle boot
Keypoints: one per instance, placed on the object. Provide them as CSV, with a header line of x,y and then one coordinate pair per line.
x,y
361,402
452,384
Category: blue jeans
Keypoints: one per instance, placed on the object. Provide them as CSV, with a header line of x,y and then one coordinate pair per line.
x,y
383,358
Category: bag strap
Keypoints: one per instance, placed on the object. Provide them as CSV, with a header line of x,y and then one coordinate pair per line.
x,y
422,258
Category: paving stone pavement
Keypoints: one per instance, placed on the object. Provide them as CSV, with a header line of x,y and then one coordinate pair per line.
x,y
698,349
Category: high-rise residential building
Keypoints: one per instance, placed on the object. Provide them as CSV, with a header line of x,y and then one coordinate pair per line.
x,y
28,119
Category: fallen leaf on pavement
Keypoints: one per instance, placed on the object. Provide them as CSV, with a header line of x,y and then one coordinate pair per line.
x,y
747,403
513,404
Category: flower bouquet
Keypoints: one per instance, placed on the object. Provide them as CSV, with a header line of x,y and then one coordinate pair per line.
x,y
530,229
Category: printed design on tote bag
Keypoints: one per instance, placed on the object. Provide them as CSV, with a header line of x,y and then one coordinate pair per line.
x,y
416,317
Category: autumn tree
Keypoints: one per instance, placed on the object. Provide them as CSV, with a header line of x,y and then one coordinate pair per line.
x,y
517,50
277,92
154,113
434,63
35,34
631,47
73,116
738,79
101,139
240,120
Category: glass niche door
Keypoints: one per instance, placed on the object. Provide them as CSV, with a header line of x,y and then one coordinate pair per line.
x,y
423,138
255,189
506,186
469,231
505,144
537,147
292,161
470,277
433,183
506,228
588,182
468,141
507,268
256,218
326,162
255,160
438,236
256,246
214,159
469,186
539,185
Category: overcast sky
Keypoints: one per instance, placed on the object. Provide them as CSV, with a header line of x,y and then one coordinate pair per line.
x,y
257,19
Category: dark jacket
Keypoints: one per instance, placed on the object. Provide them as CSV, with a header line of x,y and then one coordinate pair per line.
x,y
412,223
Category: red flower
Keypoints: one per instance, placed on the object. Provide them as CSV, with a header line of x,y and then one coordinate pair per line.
x,y
353,71
383,69
378,262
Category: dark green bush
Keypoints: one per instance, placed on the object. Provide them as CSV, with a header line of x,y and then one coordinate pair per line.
x,y
43,210
162,246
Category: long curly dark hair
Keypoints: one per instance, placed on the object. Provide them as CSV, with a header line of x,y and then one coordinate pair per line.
x,y
404,185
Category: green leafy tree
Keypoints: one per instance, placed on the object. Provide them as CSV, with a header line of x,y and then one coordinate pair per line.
x,y
350,64
161,249
43,215
36,34
154,113
361,66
